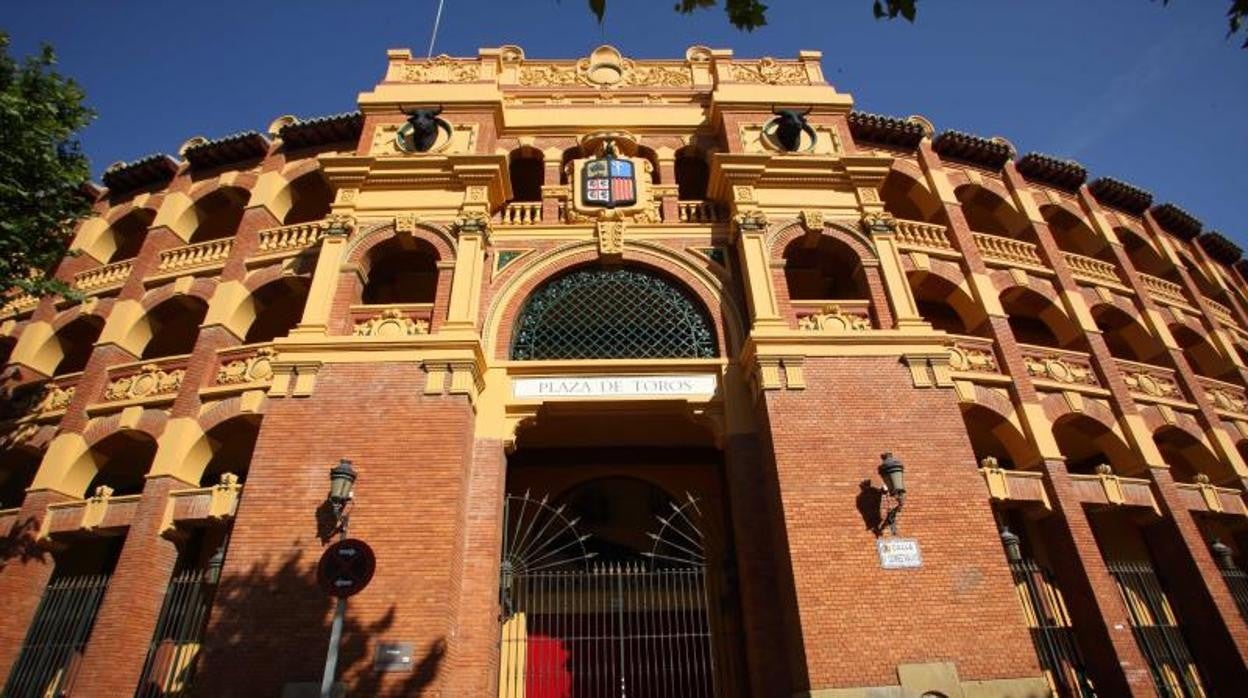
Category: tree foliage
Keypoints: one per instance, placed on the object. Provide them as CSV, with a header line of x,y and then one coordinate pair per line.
x,y
749,15
42,169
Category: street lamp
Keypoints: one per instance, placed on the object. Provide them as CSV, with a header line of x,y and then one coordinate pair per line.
x,y
1013,545
341,480
892,473
1223,554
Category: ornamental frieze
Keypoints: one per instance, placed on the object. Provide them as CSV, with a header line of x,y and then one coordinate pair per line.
x,y
833,319
391,323
1059,369
963,358
1228,400
604,68
252,369
1151,384
148,382
769,71
442,69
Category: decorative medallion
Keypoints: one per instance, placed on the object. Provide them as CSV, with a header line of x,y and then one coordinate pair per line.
x,y
833,319
148,382
391,323
252,369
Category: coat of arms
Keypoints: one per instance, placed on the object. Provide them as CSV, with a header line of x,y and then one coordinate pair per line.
x,y
608,181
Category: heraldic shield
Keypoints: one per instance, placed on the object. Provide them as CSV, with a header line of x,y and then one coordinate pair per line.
x,y
608,181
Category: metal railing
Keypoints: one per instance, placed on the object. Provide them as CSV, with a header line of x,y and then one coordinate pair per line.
x,y
1156,630
1051,630
1237,582
57,635
169,669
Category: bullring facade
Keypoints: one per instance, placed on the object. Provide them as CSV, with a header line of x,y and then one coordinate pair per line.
x,y
614,347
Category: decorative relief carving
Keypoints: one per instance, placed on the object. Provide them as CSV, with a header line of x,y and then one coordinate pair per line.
x,y
1228,400
442,69
406,223
391,323
346,196
1154,384
867,195
547,75
769,71
252,369
1058,368
812,220
56,398
965,358
610,234
743,194
148,382
879,223
751,221
833,319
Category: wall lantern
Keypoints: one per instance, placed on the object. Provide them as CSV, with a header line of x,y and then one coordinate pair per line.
x,y
341,480
892,473
1223,554
1013,545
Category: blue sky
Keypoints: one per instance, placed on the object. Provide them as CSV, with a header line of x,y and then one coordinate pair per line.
x,y
1149,94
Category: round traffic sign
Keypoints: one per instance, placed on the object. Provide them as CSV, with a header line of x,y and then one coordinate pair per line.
x,y
346,567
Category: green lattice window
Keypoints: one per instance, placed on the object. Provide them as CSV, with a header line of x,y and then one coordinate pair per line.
x,y
619,313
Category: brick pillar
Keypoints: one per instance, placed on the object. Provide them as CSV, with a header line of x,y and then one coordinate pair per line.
x,y
25,568
1102,624
1217,633
113,661
473,667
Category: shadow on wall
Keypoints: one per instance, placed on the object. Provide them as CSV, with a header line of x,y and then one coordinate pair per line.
x,y
21,543
251,649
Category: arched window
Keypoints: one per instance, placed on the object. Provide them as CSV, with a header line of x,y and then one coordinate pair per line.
x,y
279,307
232,443
218,214
828,271
908,199
77,339
403,269
175,326
616,313
128,234
310,197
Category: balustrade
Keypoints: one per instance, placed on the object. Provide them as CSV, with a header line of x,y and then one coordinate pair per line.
x,y
1164,291
522,213
1092,270
698,211
914,235
1221,313
290,237
202,254
1007,251
103,278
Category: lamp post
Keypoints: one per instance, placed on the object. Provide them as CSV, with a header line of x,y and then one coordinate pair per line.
x,y
1013,545
892,473
1223,554
341,480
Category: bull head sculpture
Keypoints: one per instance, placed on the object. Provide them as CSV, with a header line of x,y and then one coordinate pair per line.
x,y
424,128
790,124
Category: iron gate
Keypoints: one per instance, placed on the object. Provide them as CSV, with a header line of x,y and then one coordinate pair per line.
x,y
169,669
573,627
57,636
1051,630
1156,630
1237,582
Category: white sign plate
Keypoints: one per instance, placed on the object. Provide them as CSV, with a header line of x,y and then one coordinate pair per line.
x,y
692,385
899,553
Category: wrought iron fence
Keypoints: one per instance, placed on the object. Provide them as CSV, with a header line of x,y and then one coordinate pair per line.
x,y
57,635
1237,582
1051,630
617,630
1156,630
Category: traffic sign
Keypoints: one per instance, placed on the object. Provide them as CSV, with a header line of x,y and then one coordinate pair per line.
x,y
346,567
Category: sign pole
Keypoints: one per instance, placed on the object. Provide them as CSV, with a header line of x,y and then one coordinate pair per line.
x,y
331,659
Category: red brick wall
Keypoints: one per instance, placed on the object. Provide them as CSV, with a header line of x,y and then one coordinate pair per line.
x,y
270,624
858,621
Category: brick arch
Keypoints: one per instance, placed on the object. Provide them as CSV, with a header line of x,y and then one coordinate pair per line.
x,y
243,181
273,272
224,410
442,241
79,311
1100,429
151,422
1188,426
1020,449
128,208
782,235
725,315
202,288
1057,408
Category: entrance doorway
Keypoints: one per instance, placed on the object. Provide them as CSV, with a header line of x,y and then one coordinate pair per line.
x,y
617,577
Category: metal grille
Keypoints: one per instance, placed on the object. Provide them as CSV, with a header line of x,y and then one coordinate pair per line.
x,y
170,666
620,630
57,636
1051,630
1156,630
612,314
1237,582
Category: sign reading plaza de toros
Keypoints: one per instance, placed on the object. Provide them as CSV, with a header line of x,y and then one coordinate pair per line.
x,y
693,385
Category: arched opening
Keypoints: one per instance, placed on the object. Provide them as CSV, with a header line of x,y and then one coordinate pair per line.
x,y
1207,288
1126,337
1144,257
993,436
279,307
830,270
946,306
128,235
1036,320
122,460
908,199
17,470
403,269
526,170
565,163
618,501
217,215
1086,443
77,341
310,199
232,442
595,312
692,175
648,154
1188,457
1073,235
1201,355
174,326
988,213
